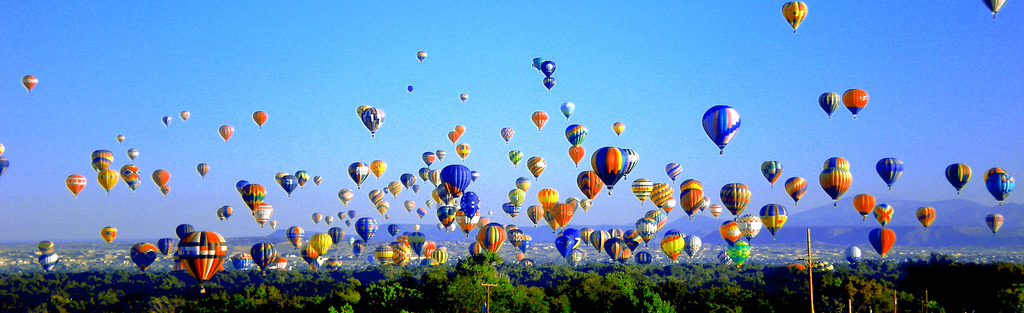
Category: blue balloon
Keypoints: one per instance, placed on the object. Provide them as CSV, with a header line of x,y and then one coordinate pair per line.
x,y
470,203
393,230
565,244
456,178
474,175
571,232
183,230
3,165
289,183
241,263
241,184
416,188
547,68
721,123
263,254
409,88
549,82
643,258
166,245
357,248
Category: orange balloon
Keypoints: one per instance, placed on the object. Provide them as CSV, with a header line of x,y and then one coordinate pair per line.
x,y
453,136
165,189
562,213
75,183
259,117
855,100
547,197
539,118
864,203
29,82
226,131
161,177
576,153
460,129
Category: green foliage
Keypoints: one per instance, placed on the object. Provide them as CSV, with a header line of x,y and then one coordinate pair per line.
x,y
595,287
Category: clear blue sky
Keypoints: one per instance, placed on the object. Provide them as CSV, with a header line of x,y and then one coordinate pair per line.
x,y
944,85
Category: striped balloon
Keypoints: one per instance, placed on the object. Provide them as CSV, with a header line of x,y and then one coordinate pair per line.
x,y
372,118
515,156
692,245
366,227
925,215
143,254
589,183
673,245
994,222
358,172
631,159
749,225
691,184
993,5
242,261
673,170
643,258
958,174
796,187
889,169
536,166
642,189
794,12
721,123
691,200
491,237
999,184
101,159
535,213
829,102
836,162
295,235
645,228
202,254
735,197
384,254
773,216
882,240
598,238
659,217
576,134
547,198
660,193
835,181
610,164
771,170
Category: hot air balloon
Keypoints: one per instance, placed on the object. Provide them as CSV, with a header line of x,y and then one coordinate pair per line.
x,y
462,150
440,154
535,213
167,120
393,230
999,184
358,172
889,169
295,235
855,100
730,231
75,183
617,250
242,261
794,12
660,194
673,170
259,117
773,216
301,177
589,183
366,227
642,189
882,240
721,123
202,254
536,165
143,254
422,55
165,245
373,118
749,226
463,97
120,138
693,244
48,261
835,181
547,68
537,62
632,158
735,197
576,134
132,154
226,131
101,159
107,179
45,247
567,109
829,102
345,196
288,183
263,255
225,212
796,187
715,210
548,198
455,178
739,253
576,153
548,82
202,168
994,222
491,237
262,214
515,156
925,215
958,174
539,119
993,5
183,230
883,213
864,204
30,81
516,197
645,228
161,177
321,243
453,136
317,217
672,245
618,127
771,170
610,165
165,189
852,254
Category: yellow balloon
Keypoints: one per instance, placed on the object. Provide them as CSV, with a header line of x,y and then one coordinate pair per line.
x,y
321,243
108,233
108,179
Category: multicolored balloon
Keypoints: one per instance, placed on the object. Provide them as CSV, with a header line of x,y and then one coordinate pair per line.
x,y
794,13
143,254
835,181
958,174
721,122
882,240
515,156
925,215
30,82
202,254
796,187
735,197
610,165
994,222
889,169
618,128
855,100
773,216
829,102
567,109
536,165
999,184
373,118
771,170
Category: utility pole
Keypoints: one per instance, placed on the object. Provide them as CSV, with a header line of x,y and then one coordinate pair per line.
x,y
810,271
488,288
895,303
